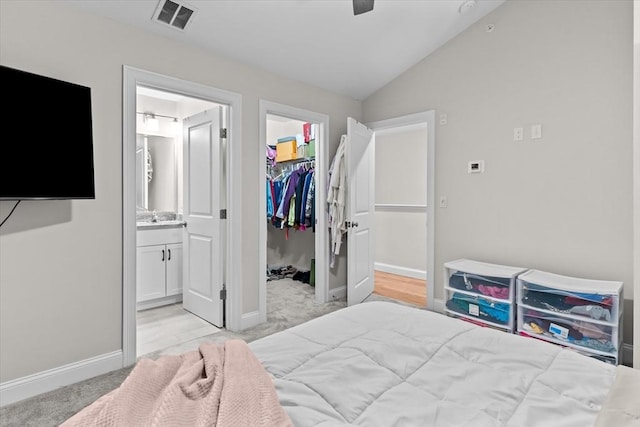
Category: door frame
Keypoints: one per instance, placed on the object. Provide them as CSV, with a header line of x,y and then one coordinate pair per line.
x,y
133,77
322,233
428,118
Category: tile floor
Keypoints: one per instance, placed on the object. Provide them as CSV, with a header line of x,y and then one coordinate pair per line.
x,y
166,326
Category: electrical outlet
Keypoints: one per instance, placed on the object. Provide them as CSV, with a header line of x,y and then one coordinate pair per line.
x,y
518,134
443,201
443,119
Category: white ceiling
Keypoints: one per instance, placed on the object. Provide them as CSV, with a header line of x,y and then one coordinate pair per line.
x,y
319,42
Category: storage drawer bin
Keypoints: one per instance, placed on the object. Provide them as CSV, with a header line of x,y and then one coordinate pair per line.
x,y
489,311
582,314
592,335
475,321
491,285
566,297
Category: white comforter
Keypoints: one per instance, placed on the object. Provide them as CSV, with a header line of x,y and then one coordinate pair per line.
x,y
384,364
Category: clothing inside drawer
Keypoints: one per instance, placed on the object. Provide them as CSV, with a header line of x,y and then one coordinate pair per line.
x,y
579,332
567,304
496,287
480,308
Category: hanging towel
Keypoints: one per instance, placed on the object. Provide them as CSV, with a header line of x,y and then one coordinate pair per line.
x,y
336,198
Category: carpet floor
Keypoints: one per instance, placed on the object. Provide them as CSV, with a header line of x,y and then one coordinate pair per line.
x,y
289,303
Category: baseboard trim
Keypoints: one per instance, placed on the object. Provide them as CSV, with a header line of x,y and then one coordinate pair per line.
x,y
402,271
42,382
338,293
145,305
248,320
438,306
627,354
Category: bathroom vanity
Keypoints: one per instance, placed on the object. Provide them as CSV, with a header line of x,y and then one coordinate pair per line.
x,y
159,262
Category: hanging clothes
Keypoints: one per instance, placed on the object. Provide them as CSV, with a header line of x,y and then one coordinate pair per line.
x,y
336,198
290,198
270,206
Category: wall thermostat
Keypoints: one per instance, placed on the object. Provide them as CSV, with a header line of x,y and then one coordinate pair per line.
x,y
476,166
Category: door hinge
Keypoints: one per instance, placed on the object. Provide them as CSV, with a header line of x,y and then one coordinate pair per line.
x,y
223,132
223,294
223,214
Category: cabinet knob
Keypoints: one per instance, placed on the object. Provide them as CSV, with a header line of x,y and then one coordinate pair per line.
x,y
169,251
163,255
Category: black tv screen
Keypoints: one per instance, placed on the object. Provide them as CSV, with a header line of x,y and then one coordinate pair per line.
x,y
47,144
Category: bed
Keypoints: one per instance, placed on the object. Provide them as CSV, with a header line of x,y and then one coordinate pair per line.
x,y
373,364
385,364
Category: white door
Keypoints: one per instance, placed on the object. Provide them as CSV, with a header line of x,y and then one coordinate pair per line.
x,y
359,211
203,244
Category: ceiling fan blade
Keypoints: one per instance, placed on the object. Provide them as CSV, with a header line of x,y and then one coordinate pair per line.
x,y
362,6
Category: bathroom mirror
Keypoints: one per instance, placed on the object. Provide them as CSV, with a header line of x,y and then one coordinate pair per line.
x,y
156,176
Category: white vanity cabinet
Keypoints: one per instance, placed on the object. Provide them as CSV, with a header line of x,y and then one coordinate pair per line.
x,y
159,267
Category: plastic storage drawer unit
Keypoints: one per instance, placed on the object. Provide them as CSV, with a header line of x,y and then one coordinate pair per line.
x,y
582,314
482,293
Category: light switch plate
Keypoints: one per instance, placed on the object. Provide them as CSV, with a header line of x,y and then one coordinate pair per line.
x,y
536,131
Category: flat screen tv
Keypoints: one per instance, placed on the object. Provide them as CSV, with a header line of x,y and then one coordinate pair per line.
x,y
46,151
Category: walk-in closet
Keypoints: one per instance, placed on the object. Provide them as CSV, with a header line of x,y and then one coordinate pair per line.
x,y
291,187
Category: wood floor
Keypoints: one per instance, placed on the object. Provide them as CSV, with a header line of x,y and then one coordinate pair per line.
x,y
402,288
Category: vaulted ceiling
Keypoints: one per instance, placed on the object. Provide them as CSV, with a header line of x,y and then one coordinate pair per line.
x,y
319,42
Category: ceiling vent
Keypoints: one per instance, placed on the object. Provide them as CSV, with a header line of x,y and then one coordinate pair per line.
x,y
174,14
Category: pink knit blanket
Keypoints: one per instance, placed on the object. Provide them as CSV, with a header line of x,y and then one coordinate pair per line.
x,y
217,385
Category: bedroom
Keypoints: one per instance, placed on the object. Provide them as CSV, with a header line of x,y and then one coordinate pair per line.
x,y
582,227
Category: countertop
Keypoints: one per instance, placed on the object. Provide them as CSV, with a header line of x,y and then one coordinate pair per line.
x,y
149,225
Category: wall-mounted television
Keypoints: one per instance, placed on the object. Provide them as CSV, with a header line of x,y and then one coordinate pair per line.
x,y
46,150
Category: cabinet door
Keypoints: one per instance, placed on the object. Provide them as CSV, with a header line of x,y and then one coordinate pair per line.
x,y
174,269
150,272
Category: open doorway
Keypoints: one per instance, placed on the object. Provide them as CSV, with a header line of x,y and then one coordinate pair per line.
x,y
162,320
290,184
401,213
404,208
211,255
294,249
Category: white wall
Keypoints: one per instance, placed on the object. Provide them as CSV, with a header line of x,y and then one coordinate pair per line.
x,y
61,261
563,203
